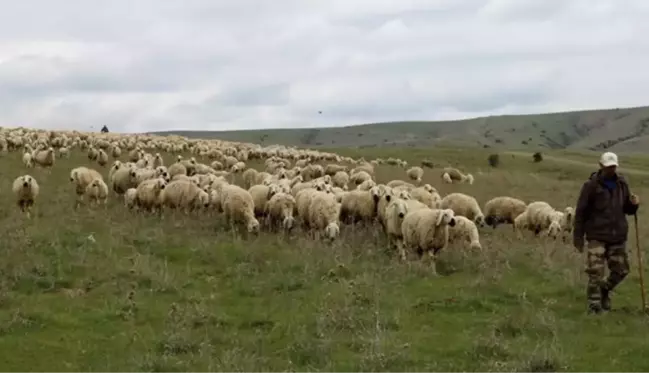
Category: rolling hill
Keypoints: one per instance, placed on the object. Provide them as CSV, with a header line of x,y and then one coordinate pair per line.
x,y
620,129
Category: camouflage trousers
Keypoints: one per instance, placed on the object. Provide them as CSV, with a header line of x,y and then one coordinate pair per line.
x,y
599,256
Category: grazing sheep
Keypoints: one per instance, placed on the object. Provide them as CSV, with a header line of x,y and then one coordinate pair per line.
x,y
452,175
465,231
395,212
239,207
97,192
324,215
426,231
503,209
332,169
185,195
366,185
279,212
359,177
26,190
401,184
464,205
423,195
303,202
545,220
177,169
64,152
123,178
415,173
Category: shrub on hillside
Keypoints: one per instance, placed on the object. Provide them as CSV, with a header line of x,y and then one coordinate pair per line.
x,y
494,160
538,157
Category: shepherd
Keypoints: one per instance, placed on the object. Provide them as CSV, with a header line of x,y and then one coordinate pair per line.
x,y
104,129
604,202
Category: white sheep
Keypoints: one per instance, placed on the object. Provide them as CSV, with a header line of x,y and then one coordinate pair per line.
x,y
82,177
44,158
360,205
239,207
26,190
185,195
340,179
130,197
324,215
261,194
395,212
452,175
123,178
428,198
465,231
415,173
102,158
148,194
545,220
28,161
464,205
97,192
359,177
503,209
426,231
279,212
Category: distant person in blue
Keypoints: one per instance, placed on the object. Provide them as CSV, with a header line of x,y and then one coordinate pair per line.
x,y
603,204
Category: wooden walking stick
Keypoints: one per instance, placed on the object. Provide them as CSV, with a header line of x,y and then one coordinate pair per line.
x,y
640,269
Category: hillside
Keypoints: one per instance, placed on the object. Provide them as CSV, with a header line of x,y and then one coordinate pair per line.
x,y
621,129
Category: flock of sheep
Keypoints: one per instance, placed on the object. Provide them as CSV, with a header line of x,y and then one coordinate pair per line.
x,y
317,191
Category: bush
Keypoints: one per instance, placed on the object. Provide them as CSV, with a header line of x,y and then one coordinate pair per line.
x,y
494,160
538,157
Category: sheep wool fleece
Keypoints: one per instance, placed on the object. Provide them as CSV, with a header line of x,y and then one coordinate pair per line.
x,y
599,255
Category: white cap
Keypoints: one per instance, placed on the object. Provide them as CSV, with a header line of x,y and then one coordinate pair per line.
x,y
608,159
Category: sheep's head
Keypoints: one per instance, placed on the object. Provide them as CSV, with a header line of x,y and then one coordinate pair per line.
x,y
404,194
479,220
327,179
272,190
429,188
401,208
446,216
253,226
26,181
288,223
332,231
161,184
554,229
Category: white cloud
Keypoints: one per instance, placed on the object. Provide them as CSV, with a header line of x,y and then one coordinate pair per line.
x,y
214,64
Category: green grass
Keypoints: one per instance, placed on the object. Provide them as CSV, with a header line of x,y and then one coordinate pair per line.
x,y
626,127
108,289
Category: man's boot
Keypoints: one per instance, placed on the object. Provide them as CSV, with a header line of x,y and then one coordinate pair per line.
x,y
594,309
606,299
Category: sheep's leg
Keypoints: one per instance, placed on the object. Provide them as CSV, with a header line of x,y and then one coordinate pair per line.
x,y
432,263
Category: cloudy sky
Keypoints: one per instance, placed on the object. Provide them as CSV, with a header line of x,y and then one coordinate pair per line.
x,y
144,65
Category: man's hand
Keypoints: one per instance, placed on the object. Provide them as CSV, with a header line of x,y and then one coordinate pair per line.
x,y
634,199
579,244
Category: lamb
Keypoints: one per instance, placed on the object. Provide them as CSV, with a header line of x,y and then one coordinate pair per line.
x,y
261,194
360,205
464,205
324,215
82,177
451,175
185,195
279,212
148,194
97,192
503,210
415,173
465,231
239,207
26,190
426,230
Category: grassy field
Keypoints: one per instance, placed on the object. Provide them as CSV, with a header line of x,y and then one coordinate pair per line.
x,y
106,289
618,129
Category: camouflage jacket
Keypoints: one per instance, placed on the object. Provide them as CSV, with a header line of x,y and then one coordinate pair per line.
x,y
600,212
